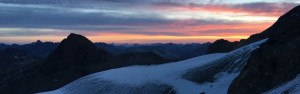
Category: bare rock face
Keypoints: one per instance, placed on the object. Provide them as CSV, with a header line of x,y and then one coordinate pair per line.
x,y
276,61
75,57
74,51
222,46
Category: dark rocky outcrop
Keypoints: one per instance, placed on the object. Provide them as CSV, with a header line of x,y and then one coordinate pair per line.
x,y
167,50
37,49
14,59
222,46
15,65
140,58
74,51
276,61
75,57
112,49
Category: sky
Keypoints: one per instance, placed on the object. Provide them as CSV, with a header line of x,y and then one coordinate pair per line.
x,y
138,21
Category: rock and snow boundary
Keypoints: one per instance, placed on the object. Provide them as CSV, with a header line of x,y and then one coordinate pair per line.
x,y
160,79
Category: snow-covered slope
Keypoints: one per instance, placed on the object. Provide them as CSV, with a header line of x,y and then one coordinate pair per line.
x,y
191,76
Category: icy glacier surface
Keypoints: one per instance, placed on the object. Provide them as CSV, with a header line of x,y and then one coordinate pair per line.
x,y
165,78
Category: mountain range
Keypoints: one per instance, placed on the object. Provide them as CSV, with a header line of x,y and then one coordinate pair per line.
x,y
267,62
75,57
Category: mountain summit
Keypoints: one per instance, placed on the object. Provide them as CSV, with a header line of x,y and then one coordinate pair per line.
x,y
76,56
74,51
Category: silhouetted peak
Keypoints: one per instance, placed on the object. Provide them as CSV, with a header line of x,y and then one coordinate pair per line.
x,y
224,41
73,35
38,41
221,40
222,45
77,39
75,43
74,51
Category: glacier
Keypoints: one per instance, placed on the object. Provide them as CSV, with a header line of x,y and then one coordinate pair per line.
x,y
209,74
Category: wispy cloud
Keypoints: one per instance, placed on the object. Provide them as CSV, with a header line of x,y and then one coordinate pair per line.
x,y
255,8
137,17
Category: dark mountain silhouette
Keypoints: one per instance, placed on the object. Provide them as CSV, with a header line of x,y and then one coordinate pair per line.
x,y
3,46
276,61
170,50
222,46
141,58
12,59
74,51
114,50
184,51
16,66
38,49
75,57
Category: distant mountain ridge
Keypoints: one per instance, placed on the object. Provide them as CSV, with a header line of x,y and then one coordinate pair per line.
x,y
271,61
16,65
208,74
74,57
37,49
253,69
222,46
184,51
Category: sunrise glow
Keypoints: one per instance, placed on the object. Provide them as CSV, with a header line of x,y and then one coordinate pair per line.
x,y
146,21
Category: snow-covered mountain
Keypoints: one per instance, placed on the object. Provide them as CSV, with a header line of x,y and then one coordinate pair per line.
x,y
209,74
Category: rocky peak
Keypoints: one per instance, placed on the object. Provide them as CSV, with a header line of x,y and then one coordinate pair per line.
x,y
38,41
221,46
77,38
74,40
74,51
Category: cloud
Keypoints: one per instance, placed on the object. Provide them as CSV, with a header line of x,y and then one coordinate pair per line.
x,y
49,17
254,8
136,17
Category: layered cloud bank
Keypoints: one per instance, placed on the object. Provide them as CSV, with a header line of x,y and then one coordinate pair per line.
x,y
141,21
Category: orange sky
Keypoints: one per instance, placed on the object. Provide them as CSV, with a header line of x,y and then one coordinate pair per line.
x,y
194,34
